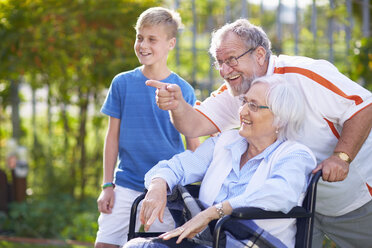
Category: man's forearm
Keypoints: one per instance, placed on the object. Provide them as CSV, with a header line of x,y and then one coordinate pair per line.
x,y
354,132
190,122
182,118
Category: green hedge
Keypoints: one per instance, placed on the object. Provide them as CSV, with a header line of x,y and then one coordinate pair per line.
x,y
59,217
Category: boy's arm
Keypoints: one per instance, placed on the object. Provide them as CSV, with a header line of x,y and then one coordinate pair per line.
x,y
106,198
185,118
192,143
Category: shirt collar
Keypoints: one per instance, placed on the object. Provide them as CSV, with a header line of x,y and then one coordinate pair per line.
x,y
239,146
270,68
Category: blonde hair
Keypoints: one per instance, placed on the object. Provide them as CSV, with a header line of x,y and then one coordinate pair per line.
x,y
160,16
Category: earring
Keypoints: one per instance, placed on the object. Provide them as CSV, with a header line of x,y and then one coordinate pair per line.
x,y
277,131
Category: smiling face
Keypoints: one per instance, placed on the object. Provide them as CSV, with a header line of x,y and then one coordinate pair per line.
x,y
153,45
240,76
257,126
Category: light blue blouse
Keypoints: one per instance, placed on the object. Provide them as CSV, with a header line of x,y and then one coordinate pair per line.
x,y
280,192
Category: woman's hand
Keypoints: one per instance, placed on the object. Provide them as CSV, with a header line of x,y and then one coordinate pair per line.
x,y
193,226
154,204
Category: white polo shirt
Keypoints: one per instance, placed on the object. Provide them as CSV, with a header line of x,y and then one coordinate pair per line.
x,y
331,99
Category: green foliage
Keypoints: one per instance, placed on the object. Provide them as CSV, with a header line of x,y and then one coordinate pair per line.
x,y
4,93
83,227
60,216
72,50
362,62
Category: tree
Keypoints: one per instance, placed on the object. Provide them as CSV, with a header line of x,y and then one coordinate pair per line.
x,y
73,48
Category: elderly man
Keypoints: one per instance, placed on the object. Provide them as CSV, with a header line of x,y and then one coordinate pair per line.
x,y
337,126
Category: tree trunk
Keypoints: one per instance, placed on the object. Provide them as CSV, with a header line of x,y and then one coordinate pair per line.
x,y
14,96
314,28
331,26
296,28
98,157
66,129
366,21
194,52
49,163
81,140
279,34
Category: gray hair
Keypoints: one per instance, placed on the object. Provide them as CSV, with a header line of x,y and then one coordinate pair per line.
x,y
285,100
252,35
160,16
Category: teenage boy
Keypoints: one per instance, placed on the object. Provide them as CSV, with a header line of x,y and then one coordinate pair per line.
x,y
139,133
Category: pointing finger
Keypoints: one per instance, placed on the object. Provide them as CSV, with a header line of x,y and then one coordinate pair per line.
x,y
156,84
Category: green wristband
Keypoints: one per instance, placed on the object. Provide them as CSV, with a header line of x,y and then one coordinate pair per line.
x,y
106,185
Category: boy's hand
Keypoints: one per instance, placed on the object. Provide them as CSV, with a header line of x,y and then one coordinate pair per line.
x,y
105,200
168,96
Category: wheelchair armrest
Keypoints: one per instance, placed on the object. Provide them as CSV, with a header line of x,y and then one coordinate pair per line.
x,y
258,213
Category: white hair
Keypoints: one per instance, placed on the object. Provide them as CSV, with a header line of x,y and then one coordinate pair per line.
x,y
252,36
286,102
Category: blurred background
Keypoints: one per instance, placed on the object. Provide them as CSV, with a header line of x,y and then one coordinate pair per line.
x,y
57,60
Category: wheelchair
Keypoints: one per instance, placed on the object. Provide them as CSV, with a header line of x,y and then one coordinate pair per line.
x,y
304,215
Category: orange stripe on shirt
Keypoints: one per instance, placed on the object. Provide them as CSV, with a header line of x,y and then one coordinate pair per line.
x,y
220,90
333,128
319,79
360,110
369,189
208,119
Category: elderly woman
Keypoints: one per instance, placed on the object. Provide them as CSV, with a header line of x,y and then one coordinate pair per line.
x,y
259,165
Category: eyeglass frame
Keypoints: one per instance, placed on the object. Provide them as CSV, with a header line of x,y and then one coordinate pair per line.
x,y
218,66
253,106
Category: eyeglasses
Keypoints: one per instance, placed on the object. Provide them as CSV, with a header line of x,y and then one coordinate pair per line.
x,y
232,61
253,106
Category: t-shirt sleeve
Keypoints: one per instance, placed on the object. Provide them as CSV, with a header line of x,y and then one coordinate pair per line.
x,y
111,105
222,109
